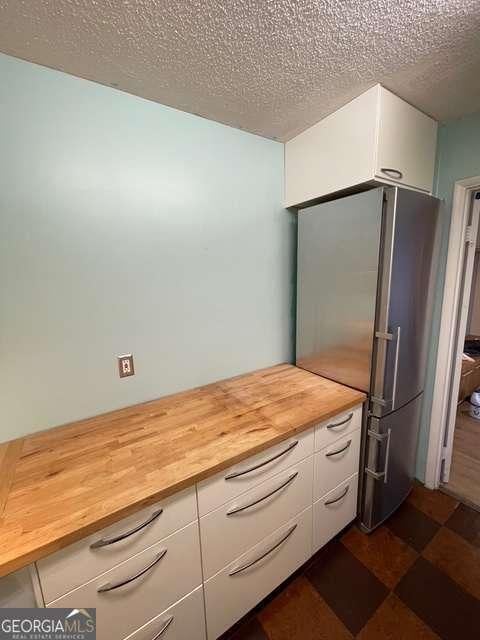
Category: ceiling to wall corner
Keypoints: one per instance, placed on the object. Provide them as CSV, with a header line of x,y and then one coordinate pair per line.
x,y
272,67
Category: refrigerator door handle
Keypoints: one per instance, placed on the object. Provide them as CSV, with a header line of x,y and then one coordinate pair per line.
x,y
381,335
389,337
380,437
395,370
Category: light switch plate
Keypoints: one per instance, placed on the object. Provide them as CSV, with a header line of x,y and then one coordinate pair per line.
x,y
125,365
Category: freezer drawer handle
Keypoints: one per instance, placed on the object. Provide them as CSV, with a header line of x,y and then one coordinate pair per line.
x,y
246,566
392,173
340,497
380,437
241,508
121,583
104,542
335,453
165,626
341,423
237,474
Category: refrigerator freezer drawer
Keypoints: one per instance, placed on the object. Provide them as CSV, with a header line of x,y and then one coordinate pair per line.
x,y
390,462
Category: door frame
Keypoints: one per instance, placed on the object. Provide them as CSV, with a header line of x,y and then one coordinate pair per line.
x,y
447,345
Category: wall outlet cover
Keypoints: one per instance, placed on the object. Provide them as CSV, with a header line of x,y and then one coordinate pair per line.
x,y
125,365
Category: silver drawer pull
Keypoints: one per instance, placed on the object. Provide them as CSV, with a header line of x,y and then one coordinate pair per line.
x,y
339,424
236,474
104,542
244,567
273,492
392,173
335,453
340,497
165,626
108,586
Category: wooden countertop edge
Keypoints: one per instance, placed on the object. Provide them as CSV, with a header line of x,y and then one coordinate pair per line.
x,y
9,454
12,453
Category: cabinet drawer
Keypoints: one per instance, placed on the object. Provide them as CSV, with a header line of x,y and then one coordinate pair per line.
x,y
184,621
334,511
79,562
331,430
228,484
335,463
123,609
235,590
235,527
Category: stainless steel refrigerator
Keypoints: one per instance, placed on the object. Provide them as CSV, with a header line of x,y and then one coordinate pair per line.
x,y
365,287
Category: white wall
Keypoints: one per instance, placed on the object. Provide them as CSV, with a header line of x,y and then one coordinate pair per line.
x,y
126,226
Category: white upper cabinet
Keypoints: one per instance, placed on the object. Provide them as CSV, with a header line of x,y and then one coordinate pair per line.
x,y
407,140
376,136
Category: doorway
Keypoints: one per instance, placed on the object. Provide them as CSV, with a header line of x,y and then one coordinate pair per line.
x,y
453,461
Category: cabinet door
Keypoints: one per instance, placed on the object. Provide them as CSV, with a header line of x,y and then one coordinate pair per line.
x,y
240,586
185,620
336,153
407,141
334,511
78,563
233,528
336,463
228,484
135,591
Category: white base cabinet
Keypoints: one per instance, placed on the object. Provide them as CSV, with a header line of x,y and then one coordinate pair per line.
x,y
80,562
185,620
236,480
335,463
377,136
189,567
235,590
334,511
235,527
125,598
319,500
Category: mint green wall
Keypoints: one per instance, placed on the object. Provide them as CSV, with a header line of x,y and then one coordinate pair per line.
x,y
126,226
458,157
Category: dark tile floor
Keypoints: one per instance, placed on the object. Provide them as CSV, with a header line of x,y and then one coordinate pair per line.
x,y
416,577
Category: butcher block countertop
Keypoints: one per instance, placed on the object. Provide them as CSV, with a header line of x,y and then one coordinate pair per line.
x,y
60,485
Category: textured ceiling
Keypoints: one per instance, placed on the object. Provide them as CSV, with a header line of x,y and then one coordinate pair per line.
x,y
273,67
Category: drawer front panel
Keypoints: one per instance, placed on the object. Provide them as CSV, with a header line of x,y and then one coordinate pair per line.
x,y
229,597
122,610
228,484
331,430
335,463
334,511
184,621
78,563
235,527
